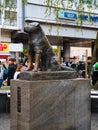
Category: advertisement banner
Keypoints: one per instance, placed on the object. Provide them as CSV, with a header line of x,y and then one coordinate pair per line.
x,y
4,47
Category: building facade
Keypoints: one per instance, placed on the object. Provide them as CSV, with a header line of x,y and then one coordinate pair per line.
x,y
62,32
66,26
10,20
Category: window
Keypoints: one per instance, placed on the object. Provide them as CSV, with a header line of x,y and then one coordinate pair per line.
x,y
10,13
93,2
0,2
84,1
11,3
0,16
10,18
13,18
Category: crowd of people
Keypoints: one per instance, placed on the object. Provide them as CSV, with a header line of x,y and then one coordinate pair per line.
x,y
80,68
10,71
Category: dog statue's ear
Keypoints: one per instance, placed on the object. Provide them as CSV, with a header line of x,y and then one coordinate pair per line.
x,y
35,24
32,24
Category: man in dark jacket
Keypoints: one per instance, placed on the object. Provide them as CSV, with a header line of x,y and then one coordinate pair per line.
x,y
11,70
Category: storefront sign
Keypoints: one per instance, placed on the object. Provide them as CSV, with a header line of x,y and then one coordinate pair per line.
x,y
18,47
4,47
67,15
94,18
86,17
74,16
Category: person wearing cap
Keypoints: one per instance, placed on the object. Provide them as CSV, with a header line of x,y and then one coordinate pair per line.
x,y
95,73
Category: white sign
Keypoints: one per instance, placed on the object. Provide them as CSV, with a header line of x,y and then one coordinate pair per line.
x,y
80,52
18,47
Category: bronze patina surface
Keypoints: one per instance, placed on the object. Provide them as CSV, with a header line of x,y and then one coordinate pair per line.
x,y
40,50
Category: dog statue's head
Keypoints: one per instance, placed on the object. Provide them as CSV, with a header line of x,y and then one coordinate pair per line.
x,y
32,27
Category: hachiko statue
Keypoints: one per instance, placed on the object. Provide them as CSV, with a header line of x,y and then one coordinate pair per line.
x,y
40,50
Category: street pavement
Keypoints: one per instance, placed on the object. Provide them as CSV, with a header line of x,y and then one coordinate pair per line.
x,y
5,121
94,121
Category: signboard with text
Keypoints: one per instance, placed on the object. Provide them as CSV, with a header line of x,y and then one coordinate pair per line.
x,y
67,15
75,15
4,47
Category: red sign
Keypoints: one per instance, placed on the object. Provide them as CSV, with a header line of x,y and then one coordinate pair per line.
x,y
4,47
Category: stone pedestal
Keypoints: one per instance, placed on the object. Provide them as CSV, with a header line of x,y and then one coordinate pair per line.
x,y
62,104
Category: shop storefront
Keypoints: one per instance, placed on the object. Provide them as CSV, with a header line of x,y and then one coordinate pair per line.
x,y
10,50
15,49
4,52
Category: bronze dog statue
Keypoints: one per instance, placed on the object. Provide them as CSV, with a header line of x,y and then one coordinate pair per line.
x,y
40,50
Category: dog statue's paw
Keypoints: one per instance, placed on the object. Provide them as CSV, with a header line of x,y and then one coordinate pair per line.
x,y
34,70
28,69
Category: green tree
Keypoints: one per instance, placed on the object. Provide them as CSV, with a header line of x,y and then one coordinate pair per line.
x,y
80,6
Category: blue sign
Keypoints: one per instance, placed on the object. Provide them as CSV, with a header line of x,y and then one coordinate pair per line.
x,y
67,15
84,17
74,16
94,18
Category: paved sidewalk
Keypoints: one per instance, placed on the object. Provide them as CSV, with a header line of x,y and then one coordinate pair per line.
x,y
94,121
5,121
